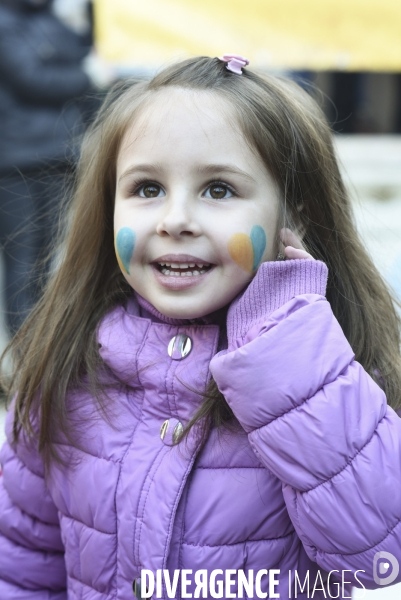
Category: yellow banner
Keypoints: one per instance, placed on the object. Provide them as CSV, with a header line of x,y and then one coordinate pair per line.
x,y
288,34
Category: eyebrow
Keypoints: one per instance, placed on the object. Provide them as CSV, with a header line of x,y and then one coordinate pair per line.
x,y
211,169
216,168
141,169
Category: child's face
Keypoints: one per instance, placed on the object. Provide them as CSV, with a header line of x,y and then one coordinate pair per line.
x,y
191,192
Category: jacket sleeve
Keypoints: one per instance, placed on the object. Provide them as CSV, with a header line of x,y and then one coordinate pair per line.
x,y
31,551
317,420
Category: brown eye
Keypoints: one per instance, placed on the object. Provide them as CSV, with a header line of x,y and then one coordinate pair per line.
x,y
150,190
218,191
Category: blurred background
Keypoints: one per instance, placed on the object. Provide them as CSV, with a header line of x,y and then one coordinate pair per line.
x,y
58,58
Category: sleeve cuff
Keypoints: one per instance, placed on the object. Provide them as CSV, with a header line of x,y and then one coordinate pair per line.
x,y
275,284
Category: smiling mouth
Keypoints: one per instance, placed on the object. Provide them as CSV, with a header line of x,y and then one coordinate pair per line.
x,y
189,269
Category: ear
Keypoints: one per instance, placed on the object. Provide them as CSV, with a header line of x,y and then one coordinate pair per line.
x,y
292,221
300,228
300,231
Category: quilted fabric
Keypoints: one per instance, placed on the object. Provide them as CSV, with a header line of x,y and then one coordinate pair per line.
x,y
309,480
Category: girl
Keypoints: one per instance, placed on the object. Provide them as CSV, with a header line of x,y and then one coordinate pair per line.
x,y
187,394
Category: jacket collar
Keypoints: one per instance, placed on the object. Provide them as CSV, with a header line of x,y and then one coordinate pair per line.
x,y
147,310
122,332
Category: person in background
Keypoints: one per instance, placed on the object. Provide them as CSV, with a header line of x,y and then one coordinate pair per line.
x,y
41,78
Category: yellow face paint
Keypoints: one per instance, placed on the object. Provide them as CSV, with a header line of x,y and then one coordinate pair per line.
x,y
240,249
247,250
120,264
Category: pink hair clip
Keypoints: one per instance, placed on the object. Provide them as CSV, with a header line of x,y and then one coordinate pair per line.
x,y
235,62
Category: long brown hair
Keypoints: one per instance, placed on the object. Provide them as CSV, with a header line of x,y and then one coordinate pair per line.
x,y
57,345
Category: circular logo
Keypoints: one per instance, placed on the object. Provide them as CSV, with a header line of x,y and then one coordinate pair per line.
x,y
381,565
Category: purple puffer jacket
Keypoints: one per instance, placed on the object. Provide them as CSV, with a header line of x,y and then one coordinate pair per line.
x,y
311,479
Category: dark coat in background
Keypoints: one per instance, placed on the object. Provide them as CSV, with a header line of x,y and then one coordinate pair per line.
x,y
42,83
40,78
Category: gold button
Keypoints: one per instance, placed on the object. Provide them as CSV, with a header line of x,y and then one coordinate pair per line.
x,y
163,429
177,433
179,347
137,588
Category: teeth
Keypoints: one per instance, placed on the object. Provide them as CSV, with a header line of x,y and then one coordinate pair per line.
x,y
182,274
183,265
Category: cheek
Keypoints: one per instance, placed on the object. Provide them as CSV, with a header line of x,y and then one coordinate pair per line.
x,y
247,250
124,243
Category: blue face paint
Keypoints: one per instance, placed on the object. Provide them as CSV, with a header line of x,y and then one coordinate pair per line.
x,y
124,244
258,239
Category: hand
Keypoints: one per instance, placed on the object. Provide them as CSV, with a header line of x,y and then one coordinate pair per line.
x,y
275,284
293,247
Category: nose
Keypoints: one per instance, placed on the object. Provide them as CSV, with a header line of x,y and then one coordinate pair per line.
x,y
178,219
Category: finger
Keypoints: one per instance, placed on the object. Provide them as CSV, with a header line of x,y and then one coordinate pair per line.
x,y
292,253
